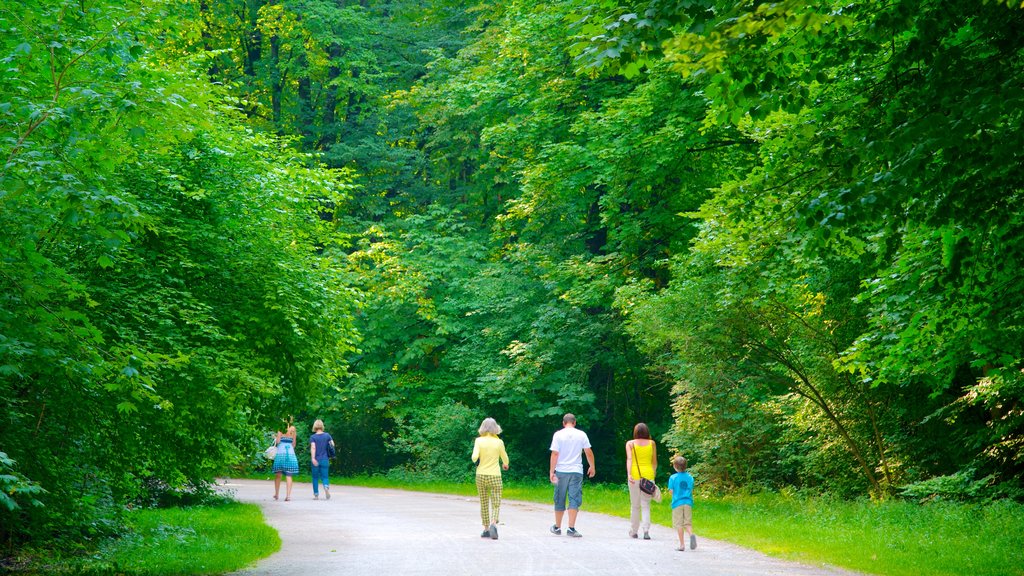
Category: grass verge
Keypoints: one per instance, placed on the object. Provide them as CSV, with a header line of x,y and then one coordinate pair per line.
x,y
194,540
213,538
887,538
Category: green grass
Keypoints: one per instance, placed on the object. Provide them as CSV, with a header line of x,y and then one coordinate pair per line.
x,y
887,538
192,540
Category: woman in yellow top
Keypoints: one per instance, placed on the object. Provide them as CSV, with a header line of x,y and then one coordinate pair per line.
x,y
487,451
641,462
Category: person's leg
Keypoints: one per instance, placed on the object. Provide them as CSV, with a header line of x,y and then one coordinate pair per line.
x,y
484,494
634,508
277,484
677,523
688,524
325,468
495,499
316,480
645,512
288,483
575,491
561,492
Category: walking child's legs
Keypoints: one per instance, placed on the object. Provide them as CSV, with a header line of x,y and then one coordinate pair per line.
x,y
688,524
679,522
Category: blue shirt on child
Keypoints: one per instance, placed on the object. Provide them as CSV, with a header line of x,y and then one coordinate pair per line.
x,y
681,485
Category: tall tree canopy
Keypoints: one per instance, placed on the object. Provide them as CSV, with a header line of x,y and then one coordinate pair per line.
x,y
788,236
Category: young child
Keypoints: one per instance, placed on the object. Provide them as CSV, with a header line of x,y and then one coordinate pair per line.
x,y
680,486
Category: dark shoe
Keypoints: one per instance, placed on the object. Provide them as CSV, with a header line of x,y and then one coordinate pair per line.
x,y
693,541
632,535
485,534
494,532
681,549
316,497
647,536
556,530
572,532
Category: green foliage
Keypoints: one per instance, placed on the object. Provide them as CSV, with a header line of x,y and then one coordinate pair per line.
x,y
15,489
439,441
162,291
958,486
785,235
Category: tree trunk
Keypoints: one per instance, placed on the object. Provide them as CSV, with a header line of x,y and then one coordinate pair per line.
x,y
276,84
327,127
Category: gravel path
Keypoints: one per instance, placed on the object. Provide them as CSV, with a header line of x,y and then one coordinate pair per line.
x,y
377,532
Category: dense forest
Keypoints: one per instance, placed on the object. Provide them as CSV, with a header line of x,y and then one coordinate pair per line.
x,y
789,236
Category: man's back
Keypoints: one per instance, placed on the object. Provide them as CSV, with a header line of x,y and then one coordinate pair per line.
x,y
570,443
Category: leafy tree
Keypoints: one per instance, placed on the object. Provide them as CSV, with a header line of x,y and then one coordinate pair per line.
x,y
160,272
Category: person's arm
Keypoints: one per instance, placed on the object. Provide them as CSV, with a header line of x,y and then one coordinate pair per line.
x,y
654,459
277,438
504,457
590,460
476,450
551,469
629,460
312,452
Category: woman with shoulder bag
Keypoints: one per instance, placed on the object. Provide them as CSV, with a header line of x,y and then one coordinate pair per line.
x,y
641,466
285,461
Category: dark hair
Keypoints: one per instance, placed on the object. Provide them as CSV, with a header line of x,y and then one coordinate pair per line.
x,y
679,463
641,431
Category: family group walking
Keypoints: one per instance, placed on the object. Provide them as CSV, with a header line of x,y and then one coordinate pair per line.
x,y
568,447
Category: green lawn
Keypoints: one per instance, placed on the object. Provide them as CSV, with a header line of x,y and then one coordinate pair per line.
x,y
193,540
888,538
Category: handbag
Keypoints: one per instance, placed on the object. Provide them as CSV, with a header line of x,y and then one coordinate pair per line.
x,y
270,452
646,486
330,450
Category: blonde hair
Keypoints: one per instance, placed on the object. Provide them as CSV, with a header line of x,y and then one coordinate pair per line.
x,y
489,426
318,425
292,432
